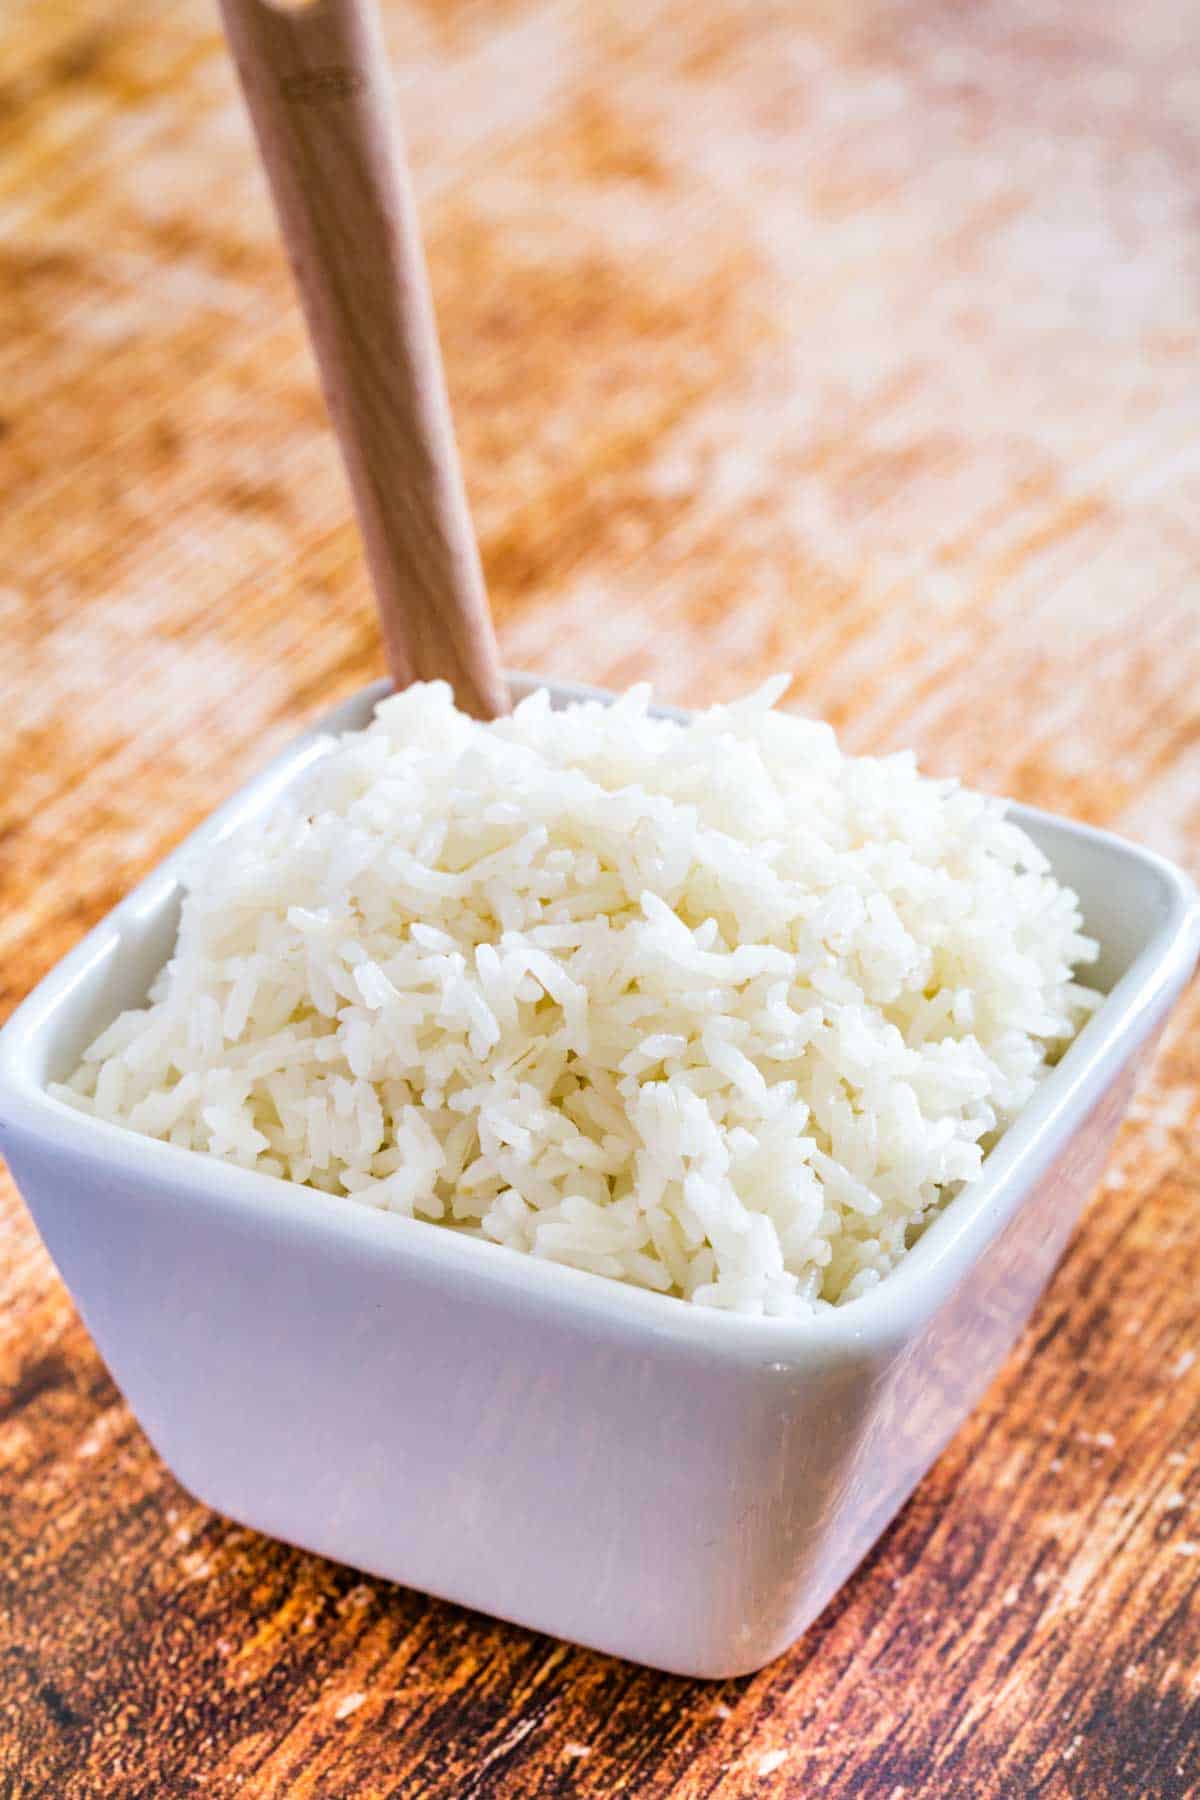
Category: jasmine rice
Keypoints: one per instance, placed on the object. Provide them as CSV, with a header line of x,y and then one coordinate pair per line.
x,y
711,1008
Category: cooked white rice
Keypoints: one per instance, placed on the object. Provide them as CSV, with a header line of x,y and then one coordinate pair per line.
x,y
710,1008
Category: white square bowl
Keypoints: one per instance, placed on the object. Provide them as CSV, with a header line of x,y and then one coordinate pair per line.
x,y
677,1485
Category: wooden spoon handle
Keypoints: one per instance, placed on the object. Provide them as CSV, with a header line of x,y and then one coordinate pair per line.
x,y
315,78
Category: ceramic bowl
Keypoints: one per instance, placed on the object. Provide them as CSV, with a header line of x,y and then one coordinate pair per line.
x,y
676,1485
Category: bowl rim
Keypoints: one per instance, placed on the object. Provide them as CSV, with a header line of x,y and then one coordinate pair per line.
x,y
883,1316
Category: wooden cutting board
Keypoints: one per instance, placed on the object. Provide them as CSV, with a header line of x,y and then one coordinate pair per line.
x,y
862,341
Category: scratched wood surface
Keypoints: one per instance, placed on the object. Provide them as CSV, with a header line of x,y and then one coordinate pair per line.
x,y
861,340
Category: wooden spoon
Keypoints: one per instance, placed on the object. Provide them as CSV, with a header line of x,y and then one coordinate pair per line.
x,y
315,77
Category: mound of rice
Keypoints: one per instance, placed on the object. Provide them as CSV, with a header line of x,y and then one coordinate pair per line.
x,y
711,1008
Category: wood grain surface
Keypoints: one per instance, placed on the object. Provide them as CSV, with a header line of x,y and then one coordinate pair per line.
x,y
862,340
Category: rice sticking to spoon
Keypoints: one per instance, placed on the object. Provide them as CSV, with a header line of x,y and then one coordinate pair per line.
x,y
314,73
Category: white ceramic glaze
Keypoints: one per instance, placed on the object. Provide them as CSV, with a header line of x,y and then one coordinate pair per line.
x,y
679,1486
